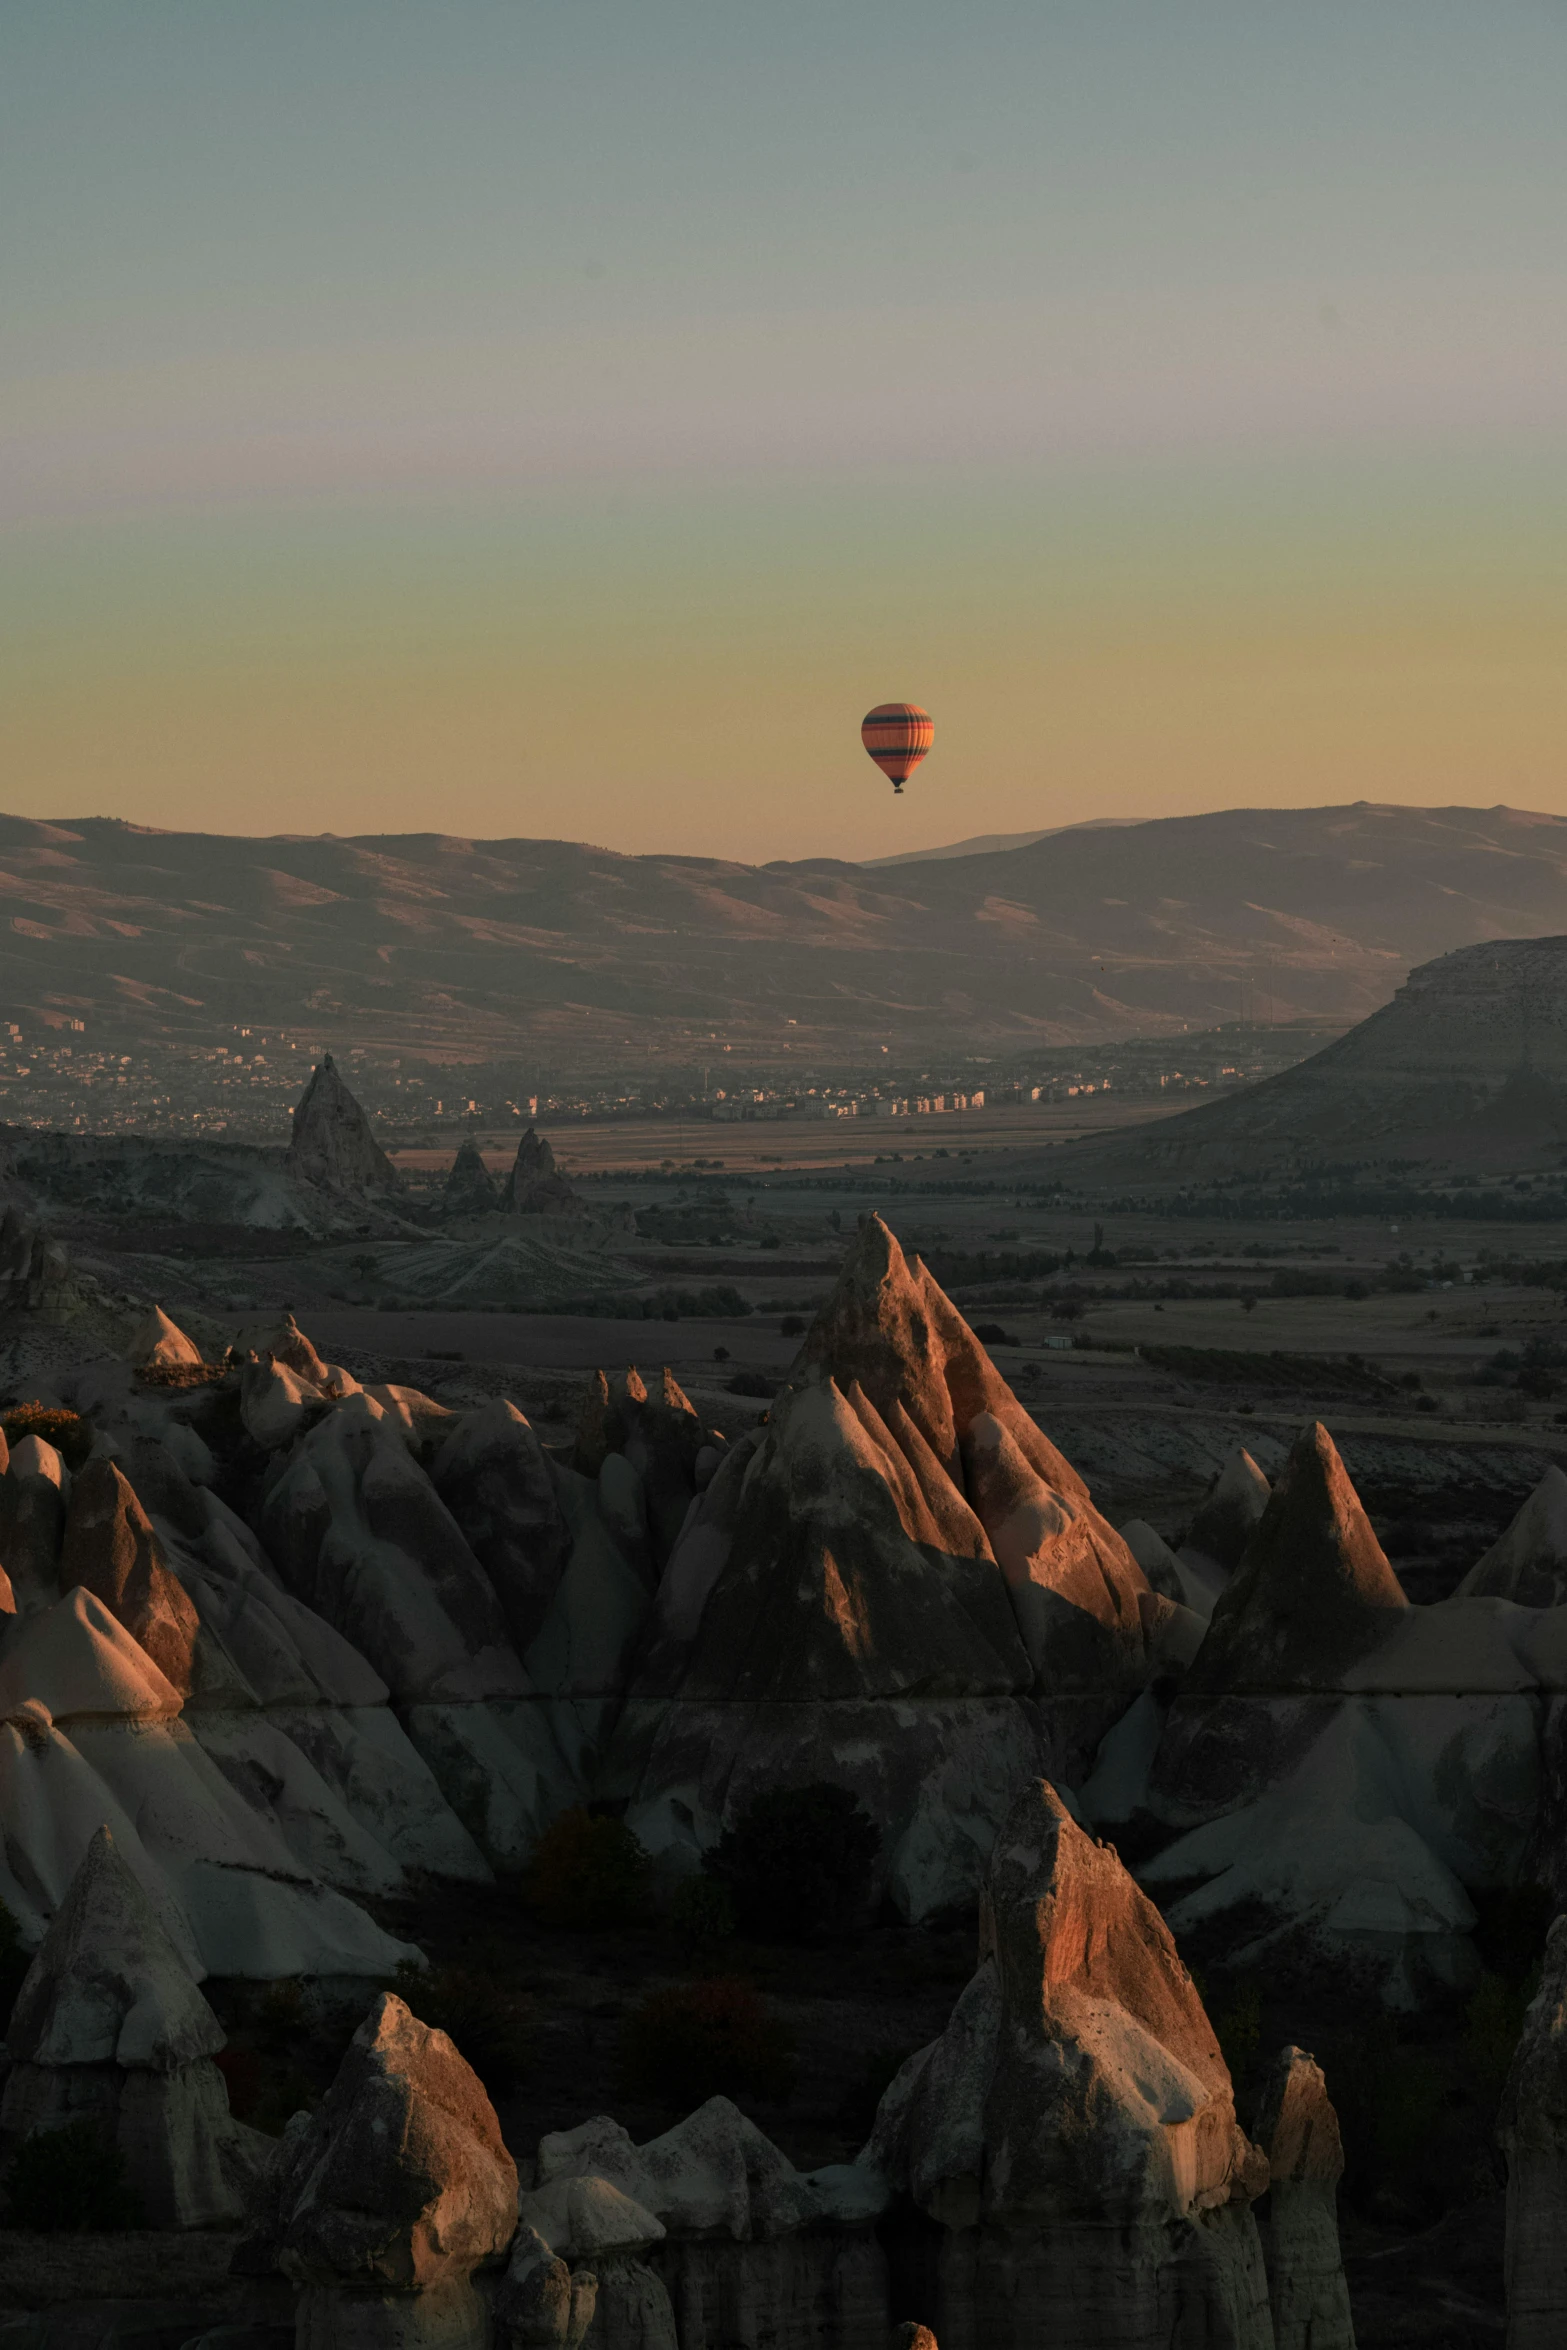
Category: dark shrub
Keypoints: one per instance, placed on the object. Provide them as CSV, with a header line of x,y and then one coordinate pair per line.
x,y
702,1913
72,2181
701,2040
792,1325
68,1432
995,1334
486,2021
797,1862
754,1383
588,1870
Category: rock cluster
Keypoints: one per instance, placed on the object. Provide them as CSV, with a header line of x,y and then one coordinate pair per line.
x,y
383,2203
468,1190
109,2028
536,1186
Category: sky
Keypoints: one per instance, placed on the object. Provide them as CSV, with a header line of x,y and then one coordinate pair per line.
x,y
567,419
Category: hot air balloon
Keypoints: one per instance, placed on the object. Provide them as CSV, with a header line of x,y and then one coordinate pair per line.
x,y
897,736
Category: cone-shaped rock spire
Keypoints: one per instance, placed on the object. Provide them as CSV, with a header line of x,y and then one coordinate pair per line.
x,y
1230,1512
110,1548
1527,1564
159,1343
469,1191
1314,1592
536,1186
332,1143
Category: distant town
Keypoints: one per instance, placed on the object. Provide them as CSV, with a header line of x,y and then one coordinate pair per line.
x,y
54,1074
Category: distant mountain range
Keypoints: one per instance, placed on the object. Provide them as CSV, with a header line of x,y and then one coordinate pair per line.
x,y
576,959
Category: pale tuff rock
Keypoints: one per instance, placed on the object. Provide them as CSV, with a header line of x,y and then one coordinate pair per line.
x,y
1297,2129
468,1190
1075,2127
1528,1563
110,2027
535,1186
540,2304
1313,1593
879,1588
888,1327
1217,1538
393,2193
751,2252
494,1477
286,1343
1157,1560
644,1446
159,1343
1533,2131
110,1549
33,1494
332,1142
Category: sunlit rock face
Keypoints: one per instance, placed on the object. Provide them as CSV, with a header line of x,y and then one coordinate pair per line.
x,y
385,2201
1073,2133
1297,2130
899,1585
110,2028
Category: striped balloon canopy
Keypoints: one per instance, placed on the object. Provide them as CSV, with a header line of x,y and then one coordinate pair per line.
x,y
897,736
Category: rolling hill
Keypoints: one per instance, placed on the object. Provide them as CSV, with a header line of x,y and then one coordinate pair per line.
x,y
429,943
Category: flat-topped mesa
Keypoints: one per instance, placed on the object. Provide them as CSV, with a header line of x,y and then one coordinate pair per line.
x,y
110,2027
1074,2128
468,1190
332,1142
1528,1563
889,1328
1313,1594
536,1186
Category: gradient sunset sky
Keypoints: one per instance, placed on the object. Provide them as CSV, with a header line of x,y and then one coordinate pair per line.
x,y
568,419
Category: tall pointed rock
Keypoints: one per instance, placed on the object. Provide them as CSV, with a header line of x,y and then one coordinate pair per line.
x,y
1314,1592
1528,1563
468,1191
110,2027
536,1186
333,1144
110,1548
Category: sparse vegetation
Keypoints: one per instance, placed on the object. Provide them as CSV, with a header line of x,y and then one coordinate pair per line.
x,y
71,2181
588,1870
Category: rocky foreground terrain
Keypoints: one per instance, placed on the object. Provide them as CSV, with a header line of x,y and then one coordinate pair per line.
x,y
471,950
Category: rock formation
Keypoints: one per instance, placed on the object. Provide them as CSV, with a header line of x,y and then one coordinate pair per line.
x,y
1220,1533
739,2246
897,1584
386,2200
536,1186
110,2028
469,1191
157,1343
1528,1563
1533,2131
1297,2129
333,1144
1073,2132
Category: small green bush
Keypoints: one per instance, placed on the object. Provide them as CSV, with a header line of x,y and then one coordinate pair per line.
x,y
588,1871
797,1862
71,2181
486,2021
699,2040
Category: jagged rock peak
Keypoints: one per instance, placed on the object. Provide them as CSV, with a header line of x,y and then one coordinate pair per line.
x,y
1064,1917
888,1326
285,1342
107,1985
111,1550
1314,1592
1230,1512
536,1186
1298,2131
1528,1563
333,1144
159,1343
469,1191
